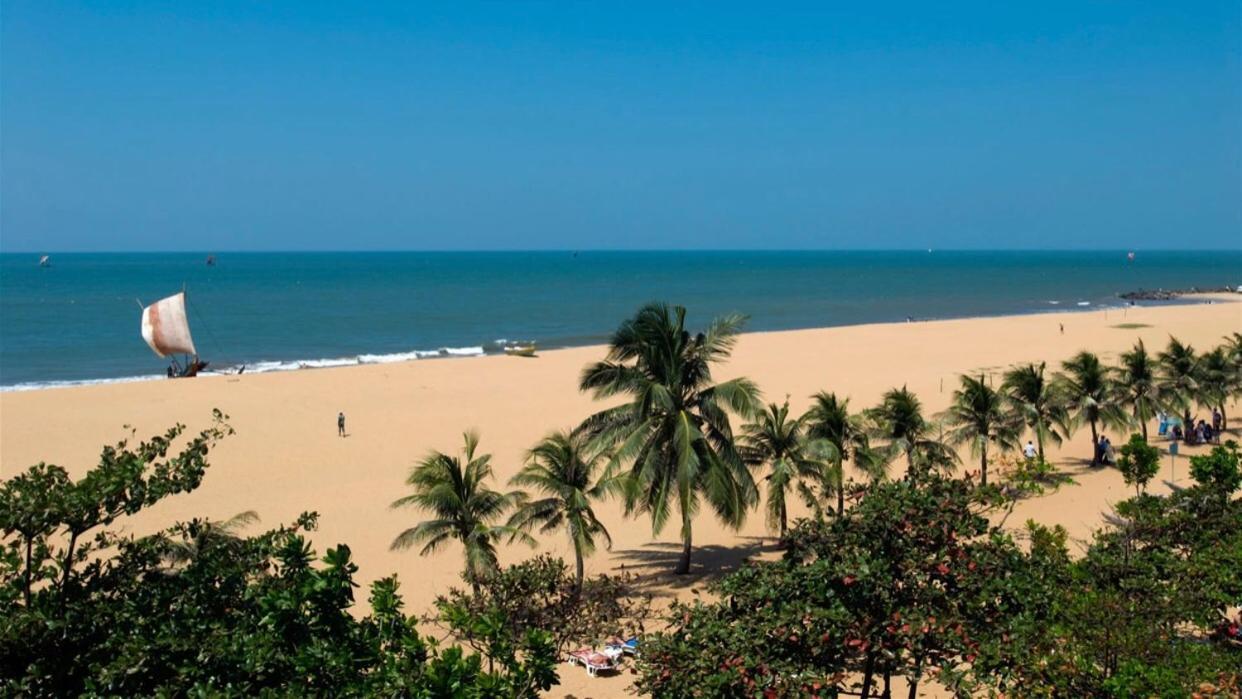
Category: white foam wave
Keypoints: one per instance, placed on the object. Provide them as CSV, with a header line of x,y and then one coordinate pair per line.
x,y
39,385
265,367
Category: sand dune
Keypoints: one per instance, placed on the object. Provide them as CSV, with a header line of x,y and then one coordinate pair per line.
x,y
286,456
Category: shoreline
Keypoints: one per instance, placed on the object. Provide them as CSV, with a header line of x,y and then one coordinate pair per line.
x,y
272,366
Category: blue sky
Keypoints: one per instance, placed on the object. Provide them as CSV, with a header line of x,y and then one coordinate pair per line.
x,y
514,125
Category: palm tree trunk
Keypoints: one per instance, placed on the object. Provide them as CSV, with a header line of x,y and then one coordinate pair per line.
x,y
683,563
983,463
841,490
784,526
578,561
1142,424
1224,419
1095,445
1039,437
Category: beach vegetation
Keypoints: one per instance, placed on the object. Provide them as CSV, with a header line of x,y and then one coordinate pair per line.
x,y
200,609
1136,385
674,432
1089,397
779,443
1218,470
568,477
541,595
912,581
980,416
1179,377
1042,407
829,418
898,422
455,492
1023,478
1221,381
915,582
1138,462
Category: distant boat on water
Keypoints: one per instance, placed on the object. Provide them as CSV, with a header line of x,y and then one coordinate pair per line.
x,y
211,260
167,332
45,261
527,350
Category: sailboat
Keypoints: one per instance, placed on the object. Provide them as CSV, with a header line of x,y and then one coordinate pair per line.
x,y
167,332
45,261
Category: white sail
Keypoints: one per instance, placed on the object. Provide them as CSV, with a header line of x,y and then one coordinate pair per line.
x,y
165,328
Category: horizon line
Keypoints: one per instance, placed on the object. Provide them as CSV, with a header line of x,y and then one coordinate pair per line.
x,y
206,251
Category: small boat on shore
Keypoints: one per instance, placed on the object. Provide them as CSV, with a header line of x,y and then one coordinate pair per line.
x,y
526,350
166,331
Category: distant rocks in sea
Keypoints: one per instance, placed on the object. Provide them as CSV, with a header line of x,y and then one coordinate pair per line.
x,y
1170,294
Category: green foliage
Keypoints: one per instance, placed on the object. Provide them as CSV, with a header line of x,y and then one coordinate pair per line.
x,y
1218,470
1039,403
1136,386
199,610
911,581
540,595
1179,377
829,419
1130,618
1089,396
675,432
563,468
463,508
898,421
1030,477
1139,462
979,416
793,461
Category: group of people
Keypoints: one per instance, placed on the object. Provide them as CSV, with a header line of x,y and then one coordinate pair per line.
x,y
1104,453
1200,432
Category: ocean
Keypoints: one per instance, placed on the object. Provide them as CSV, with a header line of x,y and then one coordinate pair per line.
x,y
77,321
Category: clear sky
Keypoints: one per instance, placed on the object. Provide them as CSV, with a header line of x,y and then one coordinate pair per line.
x,y
516,125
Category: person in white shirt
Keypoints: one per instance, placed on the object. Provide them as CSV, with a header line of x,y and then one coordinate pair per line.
x,y
1029,450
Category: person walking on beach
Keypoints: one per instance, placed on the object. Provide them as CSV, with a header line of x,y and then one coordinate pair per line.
x,y
1029,451
340,424
1062,328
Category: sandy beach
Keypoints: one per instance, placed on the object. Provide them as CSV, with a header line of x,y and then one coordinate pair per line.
x,y
287,458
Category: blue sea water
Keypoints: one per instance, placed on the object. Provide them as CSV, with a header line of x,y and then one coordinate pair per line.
x,y
78,320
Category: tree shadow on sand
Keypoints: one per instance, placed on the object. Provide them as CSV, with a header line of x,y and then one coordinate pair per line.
x,y
652,564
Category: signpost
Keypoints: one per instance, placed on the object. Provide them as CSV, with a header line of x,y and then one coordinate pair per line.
x,y
1172,459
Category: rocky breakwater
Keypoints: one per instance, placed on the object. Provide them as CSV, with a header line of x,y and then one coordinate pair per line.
x,y
1170,294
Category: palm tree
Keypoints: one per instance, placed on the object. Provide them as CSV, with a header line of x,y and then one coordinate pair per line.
x,y
563,468
1180,373
1089,396
675,431
1038,402
979,415
462,507
780,443
199,535
898,419
829,419
1136,385
1221,381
